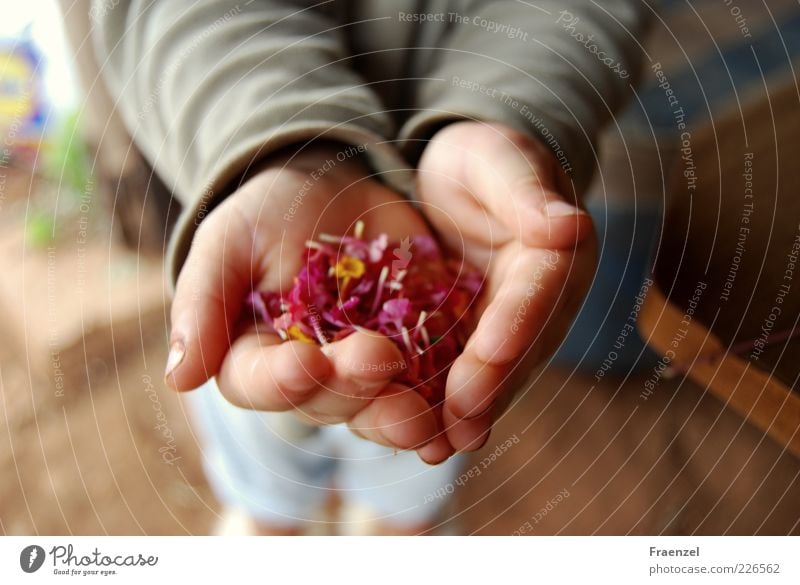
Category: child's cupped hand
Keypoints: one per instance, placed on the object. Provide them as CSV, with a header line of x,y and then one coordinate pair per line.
x,y
496,196
255,239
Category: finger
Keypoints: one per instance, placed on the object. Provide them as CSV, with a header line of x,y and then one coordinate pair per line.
x,y
363,364
467,434
472,434
514,175
535,284
399,417
263,373
208,296
437,451
473,386
526,318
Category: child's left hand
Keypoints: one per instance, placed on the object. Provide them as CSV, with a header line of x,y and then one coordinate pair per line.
x,y
495,196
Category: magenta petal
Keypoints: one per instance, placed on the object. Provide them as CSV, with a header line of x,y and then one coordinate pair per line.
x,y
396,308
377,248
350,303
402,280
283,322
394,311
426,246
363,287
256,302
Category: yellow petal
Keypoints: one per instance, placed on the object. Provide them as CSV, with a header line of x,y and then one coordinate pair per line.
x,y
296,333
349,267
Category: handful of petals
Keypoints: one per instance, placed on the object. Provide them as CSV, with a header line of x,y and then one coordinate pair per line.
x,y
406,291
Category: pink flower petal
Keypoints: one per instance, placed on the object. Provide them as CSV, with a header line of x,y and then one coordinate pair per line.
x,y
407,291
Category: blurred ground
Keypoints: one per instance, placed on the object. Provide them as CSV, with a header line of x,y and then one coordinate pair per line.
x,y
91,442
677,463
92,464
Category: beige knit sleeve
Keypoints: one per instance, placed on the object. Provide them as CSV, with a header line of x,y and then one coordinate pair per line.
x,y
208,87
555,69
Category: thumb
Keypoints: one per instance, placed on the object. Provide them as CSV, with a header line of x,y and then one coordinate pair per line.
x,y
517,178
208,297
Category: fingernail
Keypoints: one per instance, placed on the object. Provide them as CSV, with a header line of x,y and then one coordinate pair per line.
x,y
561,209
433,463
483,411
177,351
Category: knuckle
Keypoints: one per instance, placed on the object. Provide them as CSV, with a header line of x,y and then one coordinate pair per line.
x,y
527,184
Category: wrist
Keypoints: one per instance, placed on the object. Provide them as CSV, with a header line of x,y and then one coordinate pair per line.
x,y
320,170
320,159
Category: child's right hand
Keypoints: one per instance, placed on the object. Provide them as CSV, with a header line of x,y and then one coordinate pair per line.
x,y
255,239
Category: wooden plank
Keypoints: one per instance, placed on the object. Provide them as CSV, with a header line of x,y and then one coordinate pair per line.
x,y
755,394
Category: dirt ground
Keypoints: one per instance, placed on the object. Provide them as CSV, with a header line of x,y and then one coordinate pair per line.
x,y
92,442
92,464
